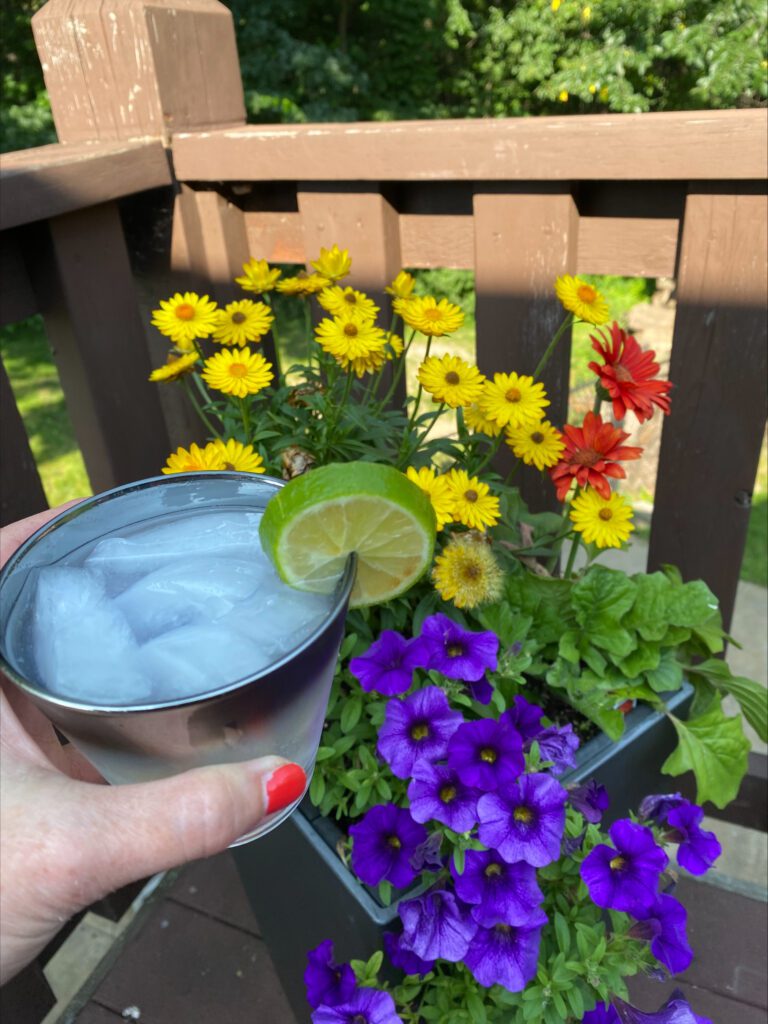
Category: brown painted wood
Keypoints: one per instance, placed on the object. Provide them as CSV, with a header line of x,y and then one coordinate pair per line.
x,y
83,280
522,242
630,246
17,299
680,145
36,184
21,491
125,69
711,441
27,997
213,886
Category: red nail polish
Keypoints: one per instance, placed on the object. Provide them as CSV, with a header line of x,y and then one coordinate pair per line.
x,y
284,786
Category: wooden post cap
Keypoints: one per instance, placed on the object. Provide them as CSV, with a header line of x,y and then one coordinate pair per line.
x,y
125,69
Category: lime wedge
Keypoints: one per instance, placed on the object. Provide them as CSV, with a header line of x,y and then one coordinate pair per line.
x,y
316,521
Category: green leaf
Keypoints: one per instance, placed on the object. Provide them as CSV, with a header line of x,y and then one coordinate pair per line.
x,y
711,634
348,646
476,1007
575,1001
715,748
568,647
601,598
563,933
649,612
691,604
668,674
350,714
599,710
645,658
458,859
317,788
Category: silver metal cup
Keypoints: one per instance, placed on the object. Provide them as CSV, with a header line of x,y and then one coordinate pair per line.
x,y
278,710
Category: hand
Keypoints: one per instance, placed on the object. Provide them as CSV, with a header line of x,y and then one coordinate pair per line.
x,y
67,838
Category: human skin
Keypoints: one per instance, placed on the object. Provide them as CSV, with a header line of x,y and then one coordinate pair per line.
x,y
67,838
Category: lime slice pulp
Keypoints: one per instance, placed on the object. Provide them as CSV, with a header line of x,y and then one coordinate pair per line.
x,y
316,521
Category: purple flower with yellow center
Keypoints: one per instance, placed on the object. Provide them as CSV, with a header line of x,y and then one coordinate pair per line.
x,y
459,653
499,893
676,1010
625,876
485,754
437,793
388,664
367,1006
403,959
590,800
664,925
526,822
417,728
384,843
524,718
658,805
327,983
698,849
506,954
437,927
558,745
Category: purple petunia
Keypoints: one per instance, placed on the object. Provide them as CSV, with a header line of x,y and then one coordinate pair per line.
x,y
527,822
459,653
437,793
676,1010
404,959
436,926
524,718
624,878
602,1014
590,800
480,690
499,893
388,664
327,983
426,856
558,745
417,727
485,754
367,1006
506,955
384,843
666,919
698,849
658,805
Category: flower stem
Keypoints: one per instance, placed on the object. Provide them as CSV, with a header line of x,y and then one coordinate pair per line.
x,y
403,461
198,408
572,556
567,322
246,416
396,375
275,339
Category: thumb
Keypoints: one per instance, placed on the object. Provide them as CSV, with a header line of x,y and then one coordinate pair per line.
x,y
153,826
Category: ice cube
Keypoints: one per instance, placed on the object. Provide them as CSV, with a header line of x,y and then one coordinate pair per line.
x,y
196,590
277,617
84,648
192,659
224,534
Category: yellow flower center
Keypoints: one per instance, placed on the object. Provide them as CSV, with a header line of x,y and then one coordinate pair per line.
x,y
537,437
470,495
351,298
432,314
523,814
350,330
513,395
454,650
616,864
492,870
230,466
447,794
472,571
489,755
452,378
238,318
502,929
586,293
185,311
238,369
605,514
394,842
420,731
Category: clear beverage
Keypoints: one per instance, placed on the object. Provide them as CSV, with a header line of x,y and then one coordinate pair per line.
x,y
152,629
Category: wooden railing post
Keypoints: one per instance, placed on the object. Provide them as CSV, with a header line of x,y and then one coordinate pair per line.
x,y
522,243
711,441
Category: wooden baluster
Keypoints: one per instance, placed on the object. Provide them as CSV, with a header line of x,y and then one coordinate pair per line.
x,y
21,492
711,441
522,243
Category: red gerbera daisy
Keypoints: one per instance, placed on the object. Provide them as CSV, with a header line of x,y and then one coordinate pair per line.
x,y
591,454
628,375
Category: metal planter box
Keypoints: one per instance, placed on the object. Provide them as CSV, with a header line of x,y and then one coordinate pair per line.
x,y
302,893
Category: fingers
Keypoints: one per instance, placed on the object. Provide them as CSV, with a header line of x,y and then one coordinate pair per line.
x,y
13,535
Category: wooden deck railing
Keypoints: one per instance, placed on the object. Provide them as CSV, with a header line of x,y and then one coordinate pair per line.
x,y
519,201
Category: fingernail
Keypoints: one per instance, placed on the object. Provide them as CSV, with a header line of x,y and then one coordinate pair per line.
x,y
284,786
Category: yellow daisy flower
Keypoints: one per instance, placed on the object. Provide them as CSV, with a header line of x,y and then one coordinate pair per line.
x,y
196,460
184,318
337,301
451,380
606,523
238,457
243,321
258,276
402,286
581,299
478,423
436,489
350,336
467,573
513,400
303,284
238,372
474,505
333,263
396,344
426,314
175,368
539,445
